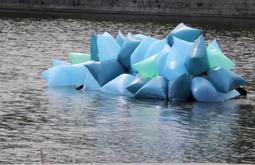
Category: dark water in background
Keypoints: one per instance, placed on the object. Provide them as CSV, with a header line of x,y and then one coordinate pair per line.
x,y
65,125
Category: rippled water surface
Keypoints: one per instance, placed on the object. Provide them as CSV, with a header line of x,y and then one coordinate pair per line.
x,y
63,125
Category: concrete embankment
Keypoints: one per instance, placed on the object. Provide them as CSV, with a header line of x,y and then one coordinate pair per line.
x,y
213,11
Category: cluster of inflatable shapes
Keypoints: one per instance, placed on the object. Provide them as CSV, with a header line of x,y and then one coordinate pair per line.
x,y
179,67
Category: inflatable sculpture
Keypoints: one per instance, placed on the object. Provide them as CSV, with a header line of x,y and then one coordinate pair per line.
x,y
180,67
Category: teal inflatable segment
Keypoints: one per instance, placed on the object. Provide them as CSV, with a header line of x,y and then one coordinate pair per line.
x,y
126,50
204,91
65,75
118,85
93,48
139,52
225,80
155,48
120,38
107,47
180,88
105,71
184,32
155,88
197,62
78,58
137,84
56,62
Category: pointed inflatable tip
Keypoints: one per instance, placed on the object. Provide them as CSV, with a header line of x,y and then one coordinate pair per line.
x,y
78,58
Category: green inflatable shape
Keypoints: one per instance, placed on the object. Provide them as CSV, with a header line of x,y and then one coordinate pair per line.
x,y
216,57
78,58
148,67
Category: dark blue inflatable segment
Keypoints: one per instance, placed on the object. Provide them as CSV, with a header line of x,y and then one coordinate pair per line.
x,y
105,71
155,88
225,80
128,47
120,38
184,32
203,90
180,88
197,62
93,48
137,84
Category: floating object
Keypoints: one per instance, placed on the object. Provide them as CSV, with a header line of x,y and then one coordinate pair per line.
x,y
78,58
178,67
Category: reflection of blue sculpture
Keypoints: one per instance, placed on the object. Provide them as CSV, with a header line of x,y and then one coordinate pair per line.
x,y
178,67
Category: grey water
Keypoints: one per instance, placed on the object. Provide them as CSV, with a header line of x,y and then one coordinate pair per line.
x,y
62,125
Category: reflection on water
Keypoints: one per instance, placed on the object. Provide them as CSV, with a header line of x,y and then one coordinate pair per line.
x,y
67,125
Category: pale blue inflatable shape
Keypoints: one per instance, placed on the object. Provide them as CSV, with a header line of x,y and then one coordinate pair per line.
x,y
56,62
126,50
139,52
204,91
90,83
118,85
93,48
120,39
232,94
180,88
215,44
174,66
155,48
224,80
182,48
162,58
107,47
137,84
140,36
65,75
105,71
184,32
197,63
155,88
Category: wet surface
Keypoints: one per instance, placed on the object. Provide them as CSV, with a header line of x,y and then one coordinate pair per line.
x,y
64,125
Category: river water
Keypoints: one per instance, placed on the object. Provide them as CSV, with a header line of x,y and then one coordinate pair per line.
x,y
63,125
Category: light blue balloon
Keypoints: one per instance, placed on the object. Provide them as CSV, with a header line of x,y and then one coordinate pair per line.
x,y
90,83
139,52
215,44
232,94
182,48
120,39
162,58
224,80
118,85
141,36
180,88
126,50
197,62
155,48
65,75
56,62
203,90
155,88
105,71
137,84
183,32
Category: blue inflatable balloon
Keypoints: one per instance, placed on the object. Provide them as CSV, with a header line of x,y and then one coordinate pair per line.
x,y
140,37
59,62
203,90
162,58
126,50
183,32
215,44
155,88
65,75
180,88
105,71
197,62
229,95
118,85
155,48
90,83
182,48
104,47
137,84
224,80
139,52
120,38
